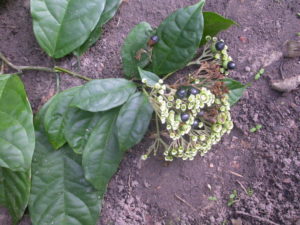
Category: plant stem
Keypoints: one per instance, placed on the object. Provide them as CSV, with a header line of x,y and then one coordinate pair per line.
x,y
56,69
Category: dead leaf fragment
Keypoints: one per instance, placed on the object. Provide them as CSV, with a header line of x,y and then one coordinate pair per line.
x,y
286,85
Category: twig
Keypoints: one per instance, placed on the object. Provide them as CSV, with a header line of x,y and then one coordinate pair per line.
x,y
56,69
256,217
234,173
242,186
185,202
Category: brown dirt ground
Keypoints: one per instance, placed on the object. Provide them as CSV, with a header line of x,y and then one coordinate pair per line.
x,y
149,192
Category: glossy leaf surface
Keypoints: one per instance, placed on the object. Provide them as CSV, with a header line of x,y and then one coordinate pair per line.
x,y
213,24
151,78
180,35
133,120
78,126
236,90
15,189
54,116
60,194
104,94
17,138
61,26
110,9
102,155
134,51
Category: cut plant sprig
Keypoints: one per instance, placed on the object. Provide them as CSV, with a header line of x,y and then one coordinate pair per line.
x,y
55,69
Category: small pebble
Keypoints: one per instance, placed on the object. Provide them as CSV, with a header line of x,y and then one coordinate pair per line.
x,y
247,69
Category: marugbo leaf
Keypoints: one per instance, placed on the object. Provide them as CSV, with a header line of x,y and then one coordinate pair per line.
x,y
54,116
133,120
213,24
110,9
60,194
102,155
134,53
151,78
15,189
61,26
104,94
17,138
180,35
236,90
78,126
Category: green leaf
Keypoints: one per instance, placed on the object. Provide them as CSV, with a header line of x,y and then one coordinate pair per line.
x,y
78,126
133,120
61,26
54,116
102,155
15,189
236,90
134,51
60,194
104,94
17,138
213,24
111,7
180,35
151,78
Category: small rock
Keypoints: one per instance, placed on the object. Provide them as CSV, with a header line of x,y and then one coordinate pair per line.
x,y
237,221
247,69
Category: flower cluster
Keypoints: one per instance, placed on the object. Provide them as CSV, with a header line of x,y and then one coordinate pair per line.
x,y
193,116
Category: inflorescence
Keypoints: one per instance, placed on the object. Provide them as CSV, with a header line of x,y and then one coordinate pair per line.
x,y
196,111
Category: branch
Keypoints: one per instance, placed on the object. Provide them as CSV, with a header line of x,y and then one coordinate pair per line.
x,y
56,69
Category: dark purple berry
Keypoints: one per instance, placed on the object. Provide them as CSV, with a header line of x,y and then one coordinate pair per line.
x,y
193,91
184,117
195,125
200,114
231,65
155,38
181,93
220,45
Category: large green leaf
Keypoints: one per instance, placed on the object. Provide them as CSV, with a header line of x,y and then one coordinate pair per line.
x,y
17,138
111,7
15,189
236,90
133,120
54,116
61,26
213,24
78,126
102,155
60,194
150,78
134,51
180,35
104,94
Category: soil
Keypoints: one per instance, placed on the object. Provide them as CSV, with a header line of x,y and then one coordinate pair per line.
x,y
153,192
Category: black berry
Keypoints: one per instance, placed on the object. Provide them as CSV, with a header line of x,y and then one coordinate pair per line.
x,y
193,91
155,38
220,45
181,93
201,113
231,65
184,117
195,125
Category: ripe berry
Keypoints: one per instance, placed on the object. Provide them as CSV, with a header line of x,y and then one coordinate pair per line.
x,y
153,40
220,45
184,117
231,65
193,91
201,113
181,93
195,125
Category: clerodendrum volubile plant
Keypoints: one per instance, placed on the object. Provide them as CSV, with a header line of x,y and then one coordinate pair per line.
x,y
59,162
